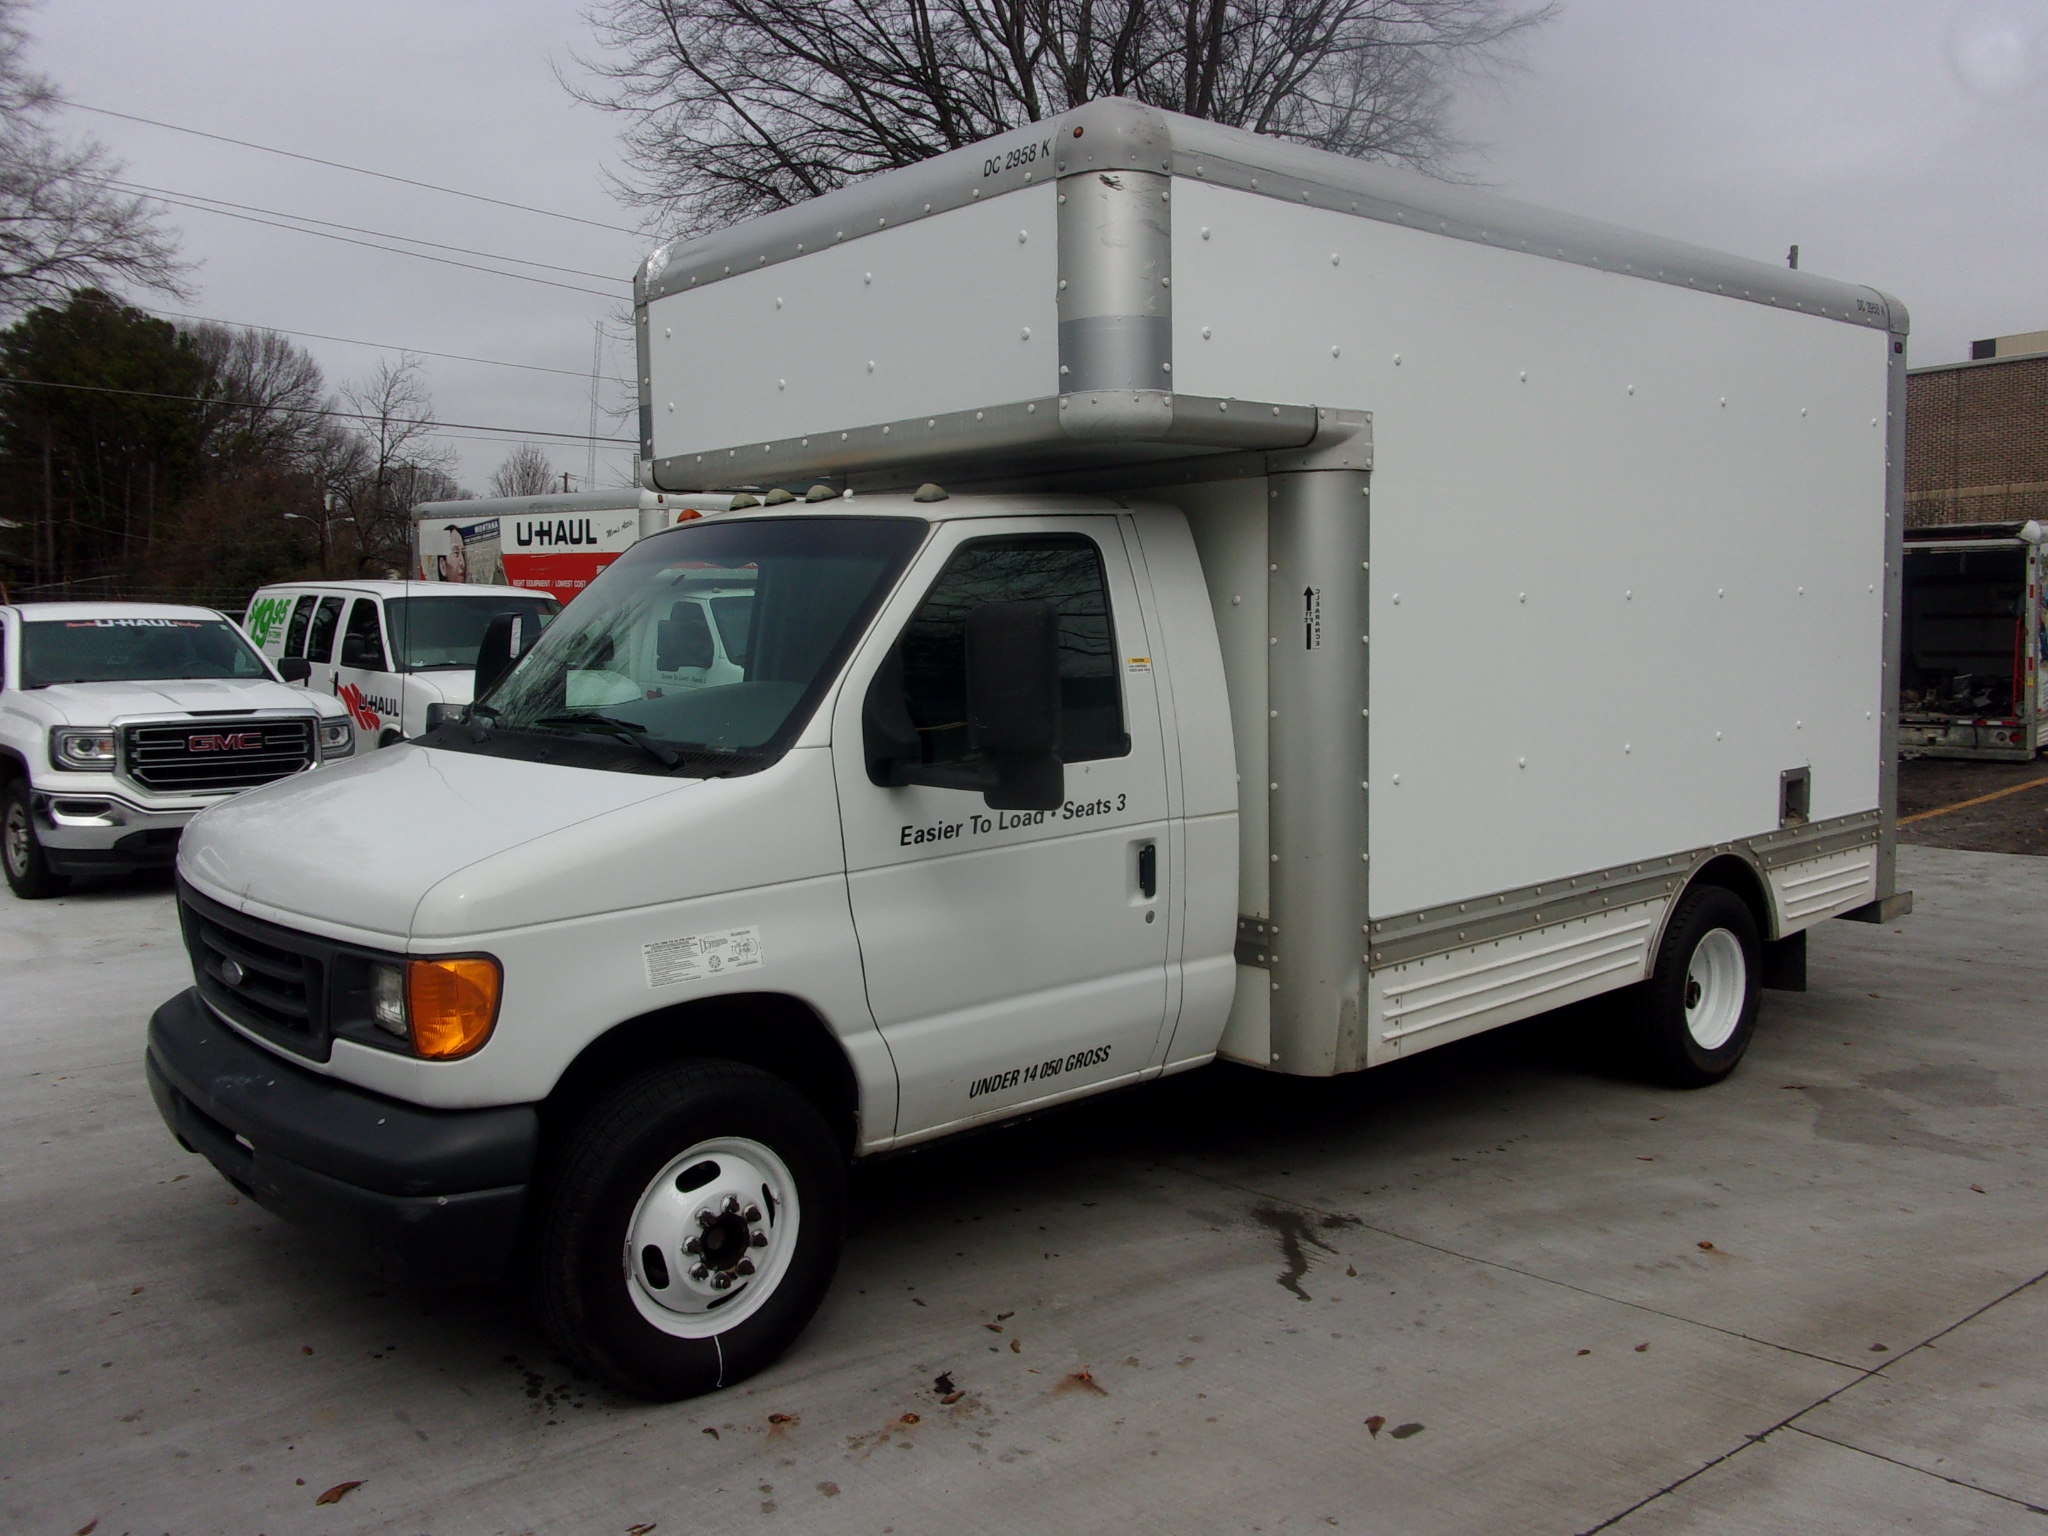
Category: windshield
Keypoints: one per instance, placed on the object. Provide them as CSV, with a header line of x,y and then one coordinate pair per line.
x,y
713,638
429,633
133,651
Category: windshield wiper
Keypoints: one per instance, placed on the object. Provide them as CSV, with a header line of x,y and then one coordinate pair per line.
x,y
624,730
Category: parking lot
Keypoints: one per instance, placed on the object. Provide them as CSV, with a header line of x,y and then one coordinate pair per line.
x,y
1491,1289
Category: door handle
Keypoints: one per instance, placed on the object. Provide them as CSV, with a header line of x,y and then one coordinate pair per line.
x,y
1148,870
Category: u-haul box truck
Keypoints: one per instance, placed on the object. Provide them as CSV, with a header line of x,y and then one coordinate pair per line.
x,y
1974,639
1287,610
553,544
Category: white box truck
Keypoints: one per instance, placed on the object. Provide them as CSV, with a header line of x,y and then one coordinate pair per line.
x,y
1288,611
1972,642
553,544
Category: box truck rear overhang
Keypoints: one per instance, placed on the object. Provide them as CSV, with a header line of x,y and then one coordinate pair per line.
x,y
1498,610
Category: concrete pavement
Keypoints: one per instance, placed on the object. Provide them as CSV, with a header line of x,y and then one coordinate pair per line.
x,y
1490,1289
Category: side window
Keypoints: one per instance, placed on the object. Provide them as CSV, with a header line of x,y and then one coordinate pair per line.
x,y
1063,569
3,658
295,632
320,643
362,644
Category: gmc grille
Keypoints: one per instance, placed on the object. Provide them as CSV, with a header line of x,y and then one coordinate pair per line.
x,y
208,755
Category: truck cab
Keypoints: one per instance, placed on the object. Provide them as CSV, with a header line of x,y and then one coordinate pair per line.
x,y
120,722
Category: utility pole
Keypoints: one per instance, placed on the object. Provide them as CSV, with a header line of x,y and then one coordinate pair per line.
x,y
565,482
596,361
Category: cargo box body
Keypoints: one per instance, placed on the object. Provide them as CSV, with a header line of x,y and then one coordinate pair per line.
x,y
1549,563
1975,621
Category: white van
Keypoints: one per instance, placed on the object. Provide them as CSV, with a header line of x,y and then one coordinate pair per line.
x,y
389,650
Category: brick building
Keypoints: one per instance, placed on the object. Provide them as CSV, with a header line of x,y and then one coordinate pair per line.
x,y
1977,435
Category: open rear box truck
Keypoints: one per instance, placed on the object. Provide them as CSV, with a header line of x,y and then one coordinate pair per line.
x,y
1972,642
1207,598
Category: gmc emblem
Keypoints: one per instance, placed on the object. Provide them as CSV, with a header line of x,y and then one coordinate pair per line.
x,y
241,741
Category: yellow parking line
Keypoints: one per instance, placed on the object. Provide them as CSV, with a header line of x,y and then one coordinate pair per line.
x,y
1964,805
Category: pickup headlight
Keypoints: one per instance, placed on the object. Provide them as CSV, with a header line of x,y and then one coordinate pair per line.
x,y
87,749
444,1008
337,738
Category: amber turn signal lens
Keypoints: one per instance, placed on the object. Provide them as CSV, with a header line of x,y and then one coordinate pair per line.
x,y
454,1003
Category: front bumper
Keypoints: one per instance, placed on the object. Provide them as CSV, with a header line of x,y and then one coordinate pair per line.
x,y
92,831
420,1196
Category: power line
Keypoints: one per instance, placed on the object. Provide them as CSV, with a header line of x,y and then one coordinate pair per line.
x,y
382,346
167,194
446,261
302,410
222,138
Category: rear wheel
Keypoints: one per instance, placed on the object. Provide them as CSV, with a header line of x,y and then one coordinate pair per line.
x,y
1700,1003
29,874
691,1229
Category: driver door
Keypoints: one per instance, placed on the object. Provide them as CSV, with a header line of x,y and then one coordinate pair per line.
x,y
1012,957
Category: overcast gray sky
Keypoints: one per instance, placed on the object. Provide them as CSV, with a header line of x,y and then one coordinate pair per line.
x,y
1898,142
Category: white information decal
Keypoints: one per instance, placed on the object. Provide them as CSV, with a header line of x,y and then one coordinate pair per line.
x,y
701,955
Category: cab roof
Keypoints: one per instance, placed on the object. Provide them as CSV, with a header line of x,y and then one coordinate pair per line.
x,y
37,613
403,589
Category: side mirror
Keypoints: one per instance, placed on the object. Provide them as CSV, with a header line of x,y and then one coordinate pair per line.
x,y
439,715
506,638
1013,703
294,669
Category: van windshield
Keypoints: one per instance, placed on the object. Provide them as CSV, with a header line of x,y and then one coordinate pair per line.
x,y
715,638
432,633
122,650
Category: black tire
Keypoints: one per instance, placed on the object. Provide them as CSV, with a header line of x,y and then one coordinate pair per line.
x,y
1699,1007
594,1291
28,870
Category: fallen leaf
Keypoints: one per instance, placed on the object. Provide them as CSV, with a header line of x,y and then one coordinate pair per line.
x,y
339,1492
640,1530
305,1349
951,1398
1585,1351
910,1418
89,1527
1878,1349
1979,1188
1642,1159
784,1418
830,1490
1798,1087
300,1481
136,1292
1004,1317
1351,1270
1376,1423
1081,1381
943,1382
710,1431
1403,1431
993,1327
1641,1347
1016,1346
1707,1246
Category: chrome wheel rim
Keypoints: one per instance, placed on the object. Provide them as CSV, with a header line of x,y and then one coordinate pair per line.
x,y
17,840
1716,984
711,1237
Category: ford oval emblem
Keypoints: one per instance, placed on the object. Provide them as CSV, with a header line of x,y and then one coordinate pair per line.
x,y
232,973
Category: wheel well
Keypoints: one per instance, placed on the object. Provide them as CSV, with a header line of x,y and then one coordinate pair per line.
x,y
1739,877
12,767
778,1034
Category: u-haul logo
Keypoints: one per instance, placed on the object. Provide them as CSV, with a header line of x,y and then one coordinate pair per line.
x,y
240,741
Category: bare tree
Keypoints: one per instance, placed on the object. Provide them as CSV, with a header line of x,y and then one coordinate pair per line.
x,y
525,472
61,226
735,107
264,395
401,463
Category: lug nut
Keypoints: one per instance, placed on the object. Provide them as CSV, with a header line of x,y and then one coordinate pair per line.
x,y
705,1218
744,1267
758,1240
692,1247
732,1205
721,1281
700,1272
753,1213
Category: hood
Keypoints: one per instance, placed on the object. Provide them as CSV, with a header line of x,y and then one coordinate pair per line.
x,y
450,685
358,844
103,703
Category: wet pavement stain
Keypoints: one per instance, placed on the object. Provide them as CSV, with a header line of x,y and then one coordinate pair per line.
x,y
1297,1233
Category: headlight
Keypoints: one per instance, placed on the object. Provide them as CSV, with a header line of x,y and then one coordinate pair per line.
x,y
443,1008
71,748
337,738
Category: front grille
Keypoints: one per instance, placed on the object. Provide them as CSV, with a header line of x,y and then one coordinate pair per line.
x,y
268,979
212,755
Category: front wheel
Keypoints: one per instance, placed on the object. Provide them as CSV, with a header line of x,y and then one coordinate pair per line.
x,y
1700,1003
690,1230
29,874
